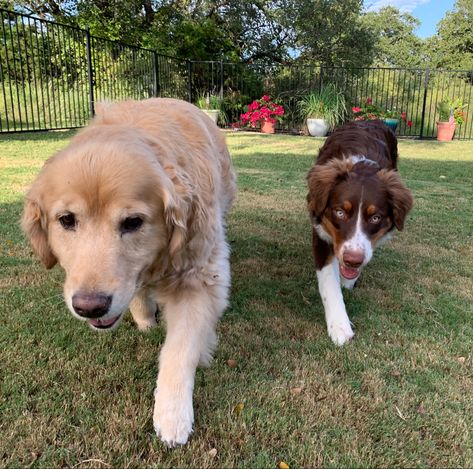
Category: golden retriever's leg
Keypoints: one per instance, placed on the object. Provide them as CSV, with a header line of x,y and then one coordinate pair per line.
x,y
143,310
191,318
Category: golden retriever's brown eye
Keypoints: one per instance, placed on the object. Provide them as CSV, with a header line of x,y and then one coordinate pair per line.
x,y
130,224
68,221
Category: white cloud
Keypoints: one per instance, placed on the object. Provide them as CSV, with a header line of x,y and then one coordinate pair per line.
x,y
402,5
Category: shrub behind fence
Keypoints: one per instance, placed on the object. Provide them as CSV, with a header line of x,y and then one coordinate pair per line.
x,y
53,74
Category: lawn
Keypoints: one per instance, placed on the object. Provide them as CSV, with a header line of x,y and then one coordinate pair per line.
x,y
400,394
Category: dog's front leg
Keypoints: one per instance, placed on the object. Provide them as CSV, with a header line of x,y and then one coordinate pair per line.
x,y
190,321
338,324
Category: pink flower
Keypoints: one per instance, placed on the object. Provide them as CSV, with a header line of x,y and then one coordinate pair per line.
x,y
356,109
253,106
403,116
262,110
409,123
369,100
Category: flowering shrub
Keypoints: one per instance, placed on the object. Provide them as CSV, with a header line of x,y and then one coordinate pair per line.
x,y
451,110
262,110
369,111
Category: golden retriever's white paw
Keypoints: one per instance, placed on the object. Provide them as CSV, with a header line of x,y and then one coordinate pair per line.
x,y
340,332
145,325
172,420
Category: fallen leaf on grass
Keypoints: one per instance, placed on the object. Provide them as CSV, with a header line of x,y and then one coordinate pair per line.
x,y
232,363
461,359
283,465
213,452
238,408
296,391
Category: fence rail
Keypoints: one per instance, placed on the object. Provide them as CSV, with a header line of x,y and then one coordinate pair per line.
x,y
53,74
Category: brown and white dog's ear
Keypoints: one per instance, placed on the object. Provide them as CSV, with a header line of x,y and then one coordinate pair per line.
x,y
399,195
34,225
321,180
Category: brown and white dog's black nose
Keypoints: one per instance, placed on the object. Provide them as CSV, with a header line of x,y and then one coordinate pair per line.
x,y
91,305
353,258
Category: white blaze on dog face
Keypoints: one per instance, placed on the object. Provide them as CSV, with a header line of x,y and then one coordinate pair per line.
x,y
105,225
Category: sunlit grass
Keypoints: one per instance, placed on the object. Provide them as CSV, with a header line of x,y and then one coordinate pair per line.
x,y
398,395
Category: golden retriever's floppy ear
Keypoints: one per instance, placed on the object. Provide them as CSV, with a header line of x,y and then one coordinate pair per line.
x,y
321,180
34,225
177,201
399,195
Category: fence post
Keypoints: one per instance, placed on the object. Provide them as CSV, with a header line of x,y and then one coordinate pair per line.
x,y
424,103
156,74
90,73
321,79
221,79
189,79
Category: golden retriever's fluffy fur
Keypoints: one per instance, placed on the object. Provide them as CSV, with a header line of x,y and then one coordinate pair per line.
x,y
133,210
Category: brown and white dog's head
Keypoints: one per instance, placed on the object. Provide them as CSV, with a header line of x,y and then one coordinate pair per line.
x,y
354,205
106,210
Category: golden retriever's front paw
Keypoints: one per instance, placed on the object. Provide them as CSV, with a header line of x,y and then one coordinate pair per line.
x,y
173,419
145,325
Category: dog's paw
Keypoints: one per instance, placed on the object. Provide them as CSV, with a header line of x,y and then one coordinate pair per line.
x,y
340,332
172,420
145,325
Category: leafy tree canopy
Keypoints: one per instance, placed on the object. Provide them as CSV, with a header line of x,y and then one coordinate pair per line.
x,y
396,43
452,47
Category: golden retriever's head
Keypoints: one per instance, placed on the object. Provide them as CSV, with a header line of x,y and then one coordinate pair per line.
x,y
107,211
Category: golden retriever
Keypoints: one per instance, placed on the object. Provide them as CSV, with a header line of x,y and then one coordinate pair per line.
x,y
133,211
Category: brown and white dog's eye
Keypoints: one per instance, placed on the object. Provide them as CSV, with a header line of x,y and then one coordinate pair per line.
x,y
339,213
375,219
68,221
130,224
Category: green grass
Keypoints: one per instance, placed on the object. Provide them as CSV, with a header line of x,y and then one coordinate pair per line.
x,y
399,395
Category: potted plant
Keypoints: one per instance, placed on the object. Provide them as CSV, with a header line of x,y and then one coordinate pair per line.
x,y
450,114
369,111
264,113
211,104
323,110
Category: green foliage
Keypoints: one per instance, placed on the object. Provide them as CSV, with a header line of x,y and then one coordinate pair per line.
x,y
209,101
452,108
396,43
332,33
328,103
453,45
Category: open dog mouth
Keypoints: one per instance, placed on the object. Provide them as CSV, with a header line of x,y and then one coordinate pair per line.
x,y
98,323
349,272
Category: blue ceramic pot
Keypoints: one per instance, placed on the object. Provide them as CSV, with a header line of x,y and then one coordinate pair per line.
x,y
391,123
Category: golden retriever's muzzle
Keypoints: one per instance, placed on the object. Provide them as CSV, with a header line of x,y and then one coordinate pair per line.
x,y
93,307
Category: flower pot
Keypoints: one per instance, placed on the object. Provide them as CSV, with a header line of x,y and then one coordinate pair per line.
x,y
392,123
445,131
268,127
317,127
212,113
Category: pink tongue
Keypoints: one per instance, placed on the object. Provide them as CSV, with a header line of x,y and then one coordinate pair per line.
x,y
101,322
349,272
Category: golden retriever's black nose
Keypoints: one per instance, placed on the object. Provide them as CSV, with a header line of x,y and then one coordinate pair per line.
x,y
91,305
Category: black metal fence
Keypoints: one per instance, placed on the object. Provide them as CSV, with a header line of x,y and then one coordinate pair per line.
x,y
52,74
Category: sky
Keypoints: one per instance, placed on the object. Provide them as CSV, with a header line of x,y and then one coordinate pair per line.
x,y
429,12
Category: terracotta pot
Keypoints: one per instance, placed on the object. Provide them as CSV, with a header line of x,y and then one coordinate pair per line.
x,y
268,127
445,131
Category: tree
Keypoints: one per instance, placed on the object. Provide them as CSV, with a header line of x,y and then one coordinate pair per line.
x,y
396,43
452,47
331,32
